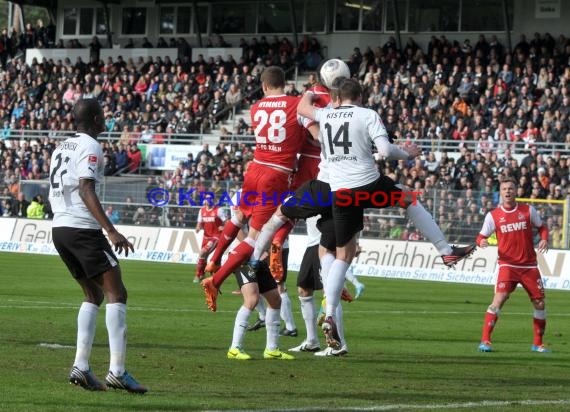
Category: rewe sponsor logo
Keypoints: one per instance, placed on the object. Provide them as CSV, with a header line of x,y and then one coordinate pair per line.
x,y
513,227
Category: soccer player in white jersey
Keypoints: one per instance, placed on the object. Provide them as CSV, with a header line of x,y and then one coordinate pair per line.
x,y
513,223
347,134
75,173
310,279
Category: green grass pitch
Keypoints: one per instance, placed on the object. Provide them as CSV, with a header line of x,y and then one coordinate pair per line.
x,y
412,346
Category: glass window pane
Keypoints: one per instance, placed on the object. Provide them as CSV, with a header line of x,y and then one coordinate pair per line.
x,y
202,19
433,15
134,20
314,12
274,17
299,12
390,22
511,12
233,18
100,25
482,15
371,15
86,21
347,14
69,21
183,20
166,20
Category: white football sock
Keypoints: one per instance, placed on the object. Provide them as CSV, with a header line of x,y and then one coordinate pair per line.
x,y
261,308
326,263
272,322
424,221
309,313
86,323
117,328
236,221
351,277
266,235
539,314
286,312
339,320
334,285
240,326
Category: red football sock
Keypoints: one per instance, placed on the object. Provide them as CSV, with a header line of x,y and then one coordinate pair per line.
x,y
283,232
488,326
236,258
538,325
200,266
228,235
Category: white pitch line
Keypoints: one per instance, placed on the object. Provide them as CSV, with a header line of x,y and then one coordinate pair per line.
x,y
39,302
55,346
404,406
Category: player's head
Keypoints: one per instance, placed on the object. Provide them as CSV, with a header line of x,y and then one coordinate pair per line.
x,y
89,117
349,91
331,70
273,78
508,189
333,91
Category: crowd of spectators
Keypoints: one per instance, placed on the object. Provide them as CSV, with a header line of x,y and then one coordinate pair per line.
x,y
484,98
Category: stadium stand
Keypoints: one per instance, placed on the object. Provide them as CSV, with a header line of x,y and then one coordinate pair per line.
x,y
480,113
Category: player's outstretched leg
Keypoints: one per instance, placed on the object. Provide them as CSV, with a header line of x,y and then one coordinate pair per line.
x,y
457,254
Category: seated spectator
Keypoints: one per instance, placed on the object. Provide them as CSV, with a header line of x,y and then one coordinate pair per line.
x,y
135,158
233,97
140,217
242,127
121,157
20,206
112,214
36,208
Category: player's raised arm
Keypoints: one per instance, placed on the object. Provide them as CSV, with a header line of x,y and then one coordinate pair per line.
x,y
305,107
386,149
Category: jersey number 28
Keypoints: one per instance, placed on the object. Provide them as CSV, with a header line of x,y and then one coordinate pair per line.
x,y
276,122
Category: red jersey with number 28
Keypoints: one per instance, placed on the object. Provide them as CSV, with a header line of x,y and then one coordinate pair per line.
x,y
211,220
278,133
514,230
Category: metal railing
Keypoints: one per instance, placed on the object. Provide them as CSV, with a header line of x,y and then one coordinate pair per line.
x,y
428,145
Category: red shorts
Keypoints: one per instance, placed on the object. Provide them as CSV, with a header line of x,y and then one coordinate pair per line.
x,y
263,188
307,169
509,277
209,243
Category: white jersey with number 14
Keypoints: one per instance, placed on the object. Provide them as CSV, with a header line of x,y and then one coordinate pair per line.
x,y
346,135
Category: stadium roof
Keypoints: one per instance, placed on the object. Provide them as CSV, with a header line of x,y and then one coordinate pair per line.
x,y
53,3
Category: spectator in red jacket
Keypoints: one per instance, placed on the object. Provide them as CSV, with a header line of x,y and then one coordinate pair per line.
x,y
135,158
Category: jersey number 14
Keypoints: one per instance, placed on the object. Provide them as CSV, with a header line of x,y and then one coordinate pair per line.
x,y
340,139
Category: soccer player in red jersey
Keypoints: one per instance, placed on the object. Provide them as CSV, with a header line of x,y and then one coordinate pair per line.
x,y
307,169
210,218
279,137
513,223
